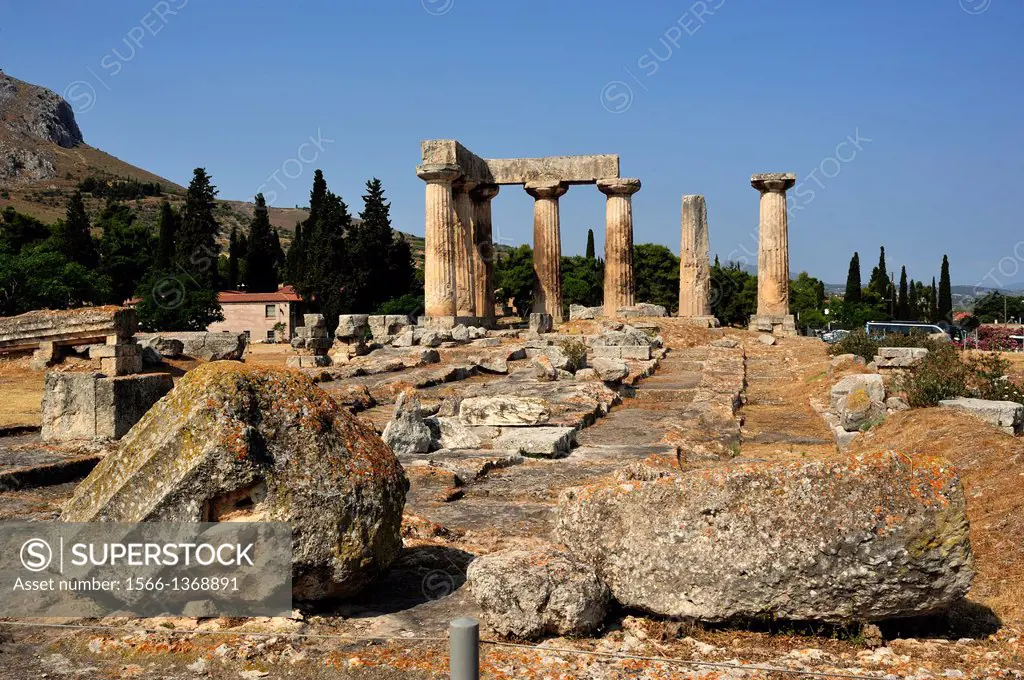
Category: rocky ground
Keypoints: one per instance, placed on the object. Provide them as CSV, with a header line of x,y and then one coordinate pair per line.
x,y
714,397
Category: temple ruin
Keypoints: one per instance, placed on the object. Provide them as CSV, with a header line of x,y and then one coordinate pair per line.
x,y
459,262
773,255
694,265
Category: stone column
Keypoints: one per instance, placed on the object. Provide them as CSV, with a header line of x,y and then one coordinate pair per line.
x,y
618,243
439,249
465,288
483,250
773,254
694,265
547,247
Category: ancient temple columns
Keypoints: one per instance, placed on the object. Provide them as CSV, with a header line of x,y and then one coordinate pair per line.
x,y
465,289
547,246
618,243
694,266
773,254
483,250
439,262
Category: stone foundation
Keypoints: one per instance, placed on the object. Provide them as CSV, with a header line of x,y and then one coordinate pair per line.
x,y
776,324
92,406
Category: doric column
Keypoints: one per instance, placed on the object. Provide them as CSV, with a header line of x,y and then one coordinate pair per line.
x,y
773,243
465,288
483,250
439,249
618,243
694,267
547,247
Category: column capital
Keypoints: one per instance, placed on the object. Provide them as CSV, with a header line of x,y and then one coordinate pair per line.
x,y
546,188
437,172
619,186
773,181
484,192
463,185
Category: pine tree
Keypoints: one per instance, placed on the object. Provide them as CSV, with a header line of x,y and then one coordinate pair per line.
x,y
295,260
903,301
933,303
196,250
376,270
945,305
165,245
879,282
591,253
853,293
260,262
73,237
233,259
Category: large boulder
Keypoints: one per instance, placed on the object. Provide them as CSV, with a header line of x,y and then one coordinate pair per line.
x,y
406,432
531,593
838,539
240,442
608,369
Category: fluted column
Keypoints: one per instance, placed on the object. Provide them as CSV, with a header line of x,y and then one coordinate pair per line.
x,y
439,249
694,267
547,247
483,251
465,289
618,243
773,244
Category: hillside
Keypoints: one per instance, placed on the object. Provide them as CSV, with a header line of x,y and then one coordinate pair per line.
x,y
44,158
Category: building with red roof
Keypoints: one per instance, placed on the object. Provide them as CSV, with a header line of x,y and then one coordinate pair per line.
x,y
263,317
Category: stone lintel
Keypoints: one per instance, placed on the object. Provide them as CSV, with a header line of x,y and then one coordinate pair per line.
x,y
568,169
773,181
86,325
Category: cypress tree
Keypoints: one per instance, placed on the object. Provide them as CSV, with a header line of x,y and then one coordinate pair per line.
x,y
279,257
233,259
591,253
295,260
196,239
165,245
74,239
260,265
879,282
853,293
933,303
379,269
945,304
903,301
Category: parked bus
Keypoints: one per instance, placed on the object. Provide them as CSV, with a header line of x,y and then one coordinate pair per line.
x,y
880,329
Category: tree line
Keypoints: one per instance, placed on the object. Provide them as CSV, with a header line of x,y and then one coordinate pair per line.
x,y
883,299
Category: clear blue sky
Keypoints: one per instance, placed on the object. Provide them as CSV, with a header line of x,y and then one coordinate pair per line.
x,y
236,87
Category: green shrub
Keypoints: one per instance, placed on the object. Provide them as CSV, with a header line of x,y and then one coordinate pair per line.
x,y
941,374
857,342
989,380
576,352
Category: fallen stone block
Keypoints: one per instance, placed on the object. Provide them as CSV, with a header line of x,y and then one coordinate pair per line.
x,y
899,357
168,348
842,360
449,433
838,540
531,593
352,326
486,342
407,432
91,406
871,383
640,310
206,346
610,370
543,368
237,442
579,312
541,323
504,411
766,339
470,465
548,442
1008,416
725,343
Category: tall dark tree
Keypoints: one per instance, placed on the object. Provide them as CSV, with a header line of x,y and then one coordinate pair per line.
x,y
913,302
933,303
945,292
591,253
233,248
73,237
126,250
879,282
295,260
167,230
261,260
903,301
853,293
196,250
379,269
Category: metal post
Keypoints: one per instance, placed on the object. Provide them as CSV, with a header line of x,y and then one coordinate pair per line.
x,y
464,649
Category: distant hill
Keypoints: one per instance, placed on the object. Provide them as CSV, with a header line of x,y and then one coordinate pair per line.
x,y
44,158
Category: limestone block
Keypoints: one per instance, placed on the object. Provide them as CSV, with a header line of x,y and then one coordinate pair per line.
x,y
578,312
504,411
640,310
610,370
872,383
541,323
90,406
352,326
1008,416
308,361
548,442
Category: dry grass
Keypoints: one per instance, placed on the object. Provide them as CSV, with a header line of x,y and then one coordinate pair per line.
x,y
265,354
22,390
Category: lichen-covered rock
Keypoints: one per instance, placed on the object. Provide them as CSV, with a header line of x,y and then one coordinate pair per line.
x,y
406,432
840,539
260,444
543,591
504,411
543,369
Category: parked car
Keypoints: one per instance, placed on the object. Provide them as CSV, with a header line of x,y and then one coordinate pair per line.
x,y
832,337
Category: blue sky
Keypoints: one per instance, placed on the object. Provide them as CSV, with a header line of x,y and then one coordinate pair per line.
x,y
694,97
